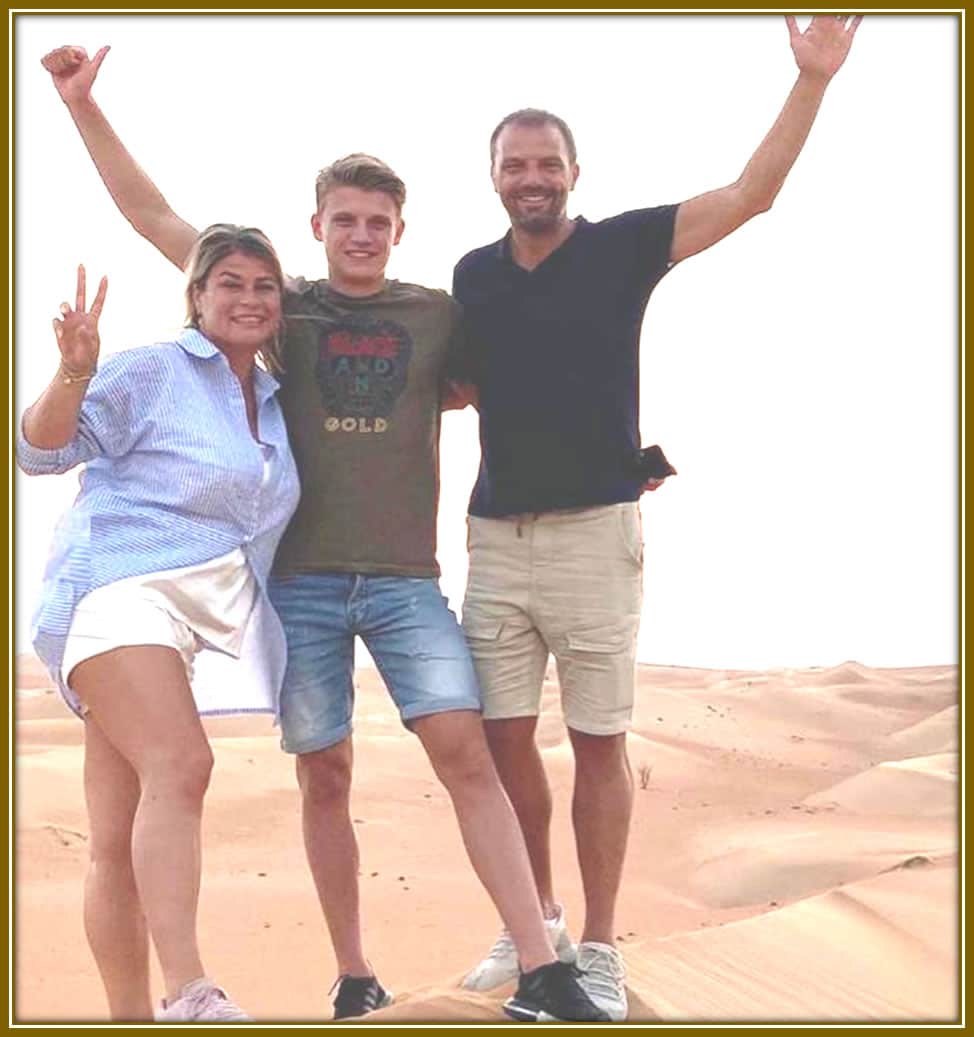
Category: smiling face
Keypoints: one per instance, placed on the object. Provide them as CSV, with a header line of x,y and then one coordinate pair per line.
x,y
533,173
358,229
238,306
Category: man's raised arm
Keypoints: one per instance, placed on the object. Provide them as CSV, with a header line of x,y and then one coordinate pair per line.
x,y
138,198
819,53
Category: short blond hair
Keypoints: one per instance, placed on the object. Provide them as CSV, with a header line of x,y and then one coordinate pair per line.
x,y
363,171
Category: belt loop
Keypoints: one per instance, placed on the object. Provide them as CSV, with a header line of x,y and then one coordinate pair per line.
x,y
519,533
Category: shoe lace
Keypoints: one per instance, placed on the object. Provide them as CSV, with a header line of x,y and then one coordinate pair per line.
x,y
503,946
355,993
604,975
564,995
214,1003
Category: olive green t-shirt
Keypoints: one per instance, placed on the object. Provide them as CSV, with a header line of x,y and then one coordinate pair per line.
x,y
361,397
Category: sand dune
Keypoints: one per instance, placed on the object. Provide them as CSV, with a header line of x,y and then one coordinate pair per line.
x,y
844,955
771,865
917,785
793,856
934,734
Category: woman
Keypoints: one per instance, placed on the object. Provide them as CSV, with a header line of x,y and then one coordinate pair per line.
x,y
188,485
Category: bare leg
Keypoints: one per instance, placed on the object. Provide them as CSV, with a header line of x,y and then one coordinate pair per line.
x,y
601,810
325,779
522,772
141,700
114,923
457,749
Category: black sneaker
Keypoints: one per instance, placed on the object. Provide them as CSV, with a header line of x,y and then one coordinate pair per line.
x,y
359,995
552,994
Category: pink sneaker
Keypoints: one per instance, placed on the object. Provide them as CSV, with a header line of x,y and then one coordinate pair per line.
x,y
201,1001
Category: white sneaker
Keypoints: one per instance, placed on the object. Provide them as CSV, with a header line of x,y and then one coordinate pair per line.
x,y
501,964
201,1001
603,978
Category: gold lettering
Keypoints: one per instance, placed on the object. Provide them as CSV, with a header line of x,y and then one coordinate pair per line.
x,y
350,424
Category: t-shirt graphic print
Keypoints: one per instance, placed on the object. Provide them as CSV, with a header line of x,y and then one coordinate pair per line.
x,y
361,372
361,397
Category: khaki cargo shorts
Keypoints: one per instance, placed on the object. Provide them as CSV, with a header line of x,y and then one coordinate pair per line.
x,y
568,583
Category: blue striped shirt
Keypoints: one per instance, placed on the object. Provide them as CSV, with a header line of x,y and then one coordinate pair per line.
x,y
172,478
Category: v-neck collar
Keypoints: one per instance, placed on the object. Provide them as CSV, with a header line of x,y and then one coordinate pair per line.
x,y
507,255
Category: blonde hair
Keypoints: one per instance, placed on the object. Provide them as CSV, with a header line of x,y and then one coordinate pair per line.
x,y
215,243
363,171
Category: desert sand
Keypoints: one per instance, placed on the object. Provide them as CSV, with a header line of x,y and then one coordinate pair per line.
x,y
793,856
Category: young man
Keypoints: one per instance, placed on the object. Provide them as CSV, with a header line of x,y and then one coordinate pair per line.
x,y
364,363
555,537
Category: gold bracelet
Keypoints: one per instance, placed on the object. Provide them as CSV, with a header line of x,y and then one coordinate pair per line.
x,y
69,377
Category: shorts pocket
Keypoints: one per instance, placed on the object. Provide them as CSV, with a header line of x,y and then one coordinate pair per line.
x,y
632,533
603,640
479,628
480,533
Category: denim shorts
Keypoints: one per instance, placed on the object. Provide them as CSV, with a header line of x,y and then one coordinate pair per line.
x,y
408,628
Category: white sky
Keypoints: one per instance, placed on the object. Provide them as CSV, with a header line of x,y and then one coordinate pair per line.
x,y
801,375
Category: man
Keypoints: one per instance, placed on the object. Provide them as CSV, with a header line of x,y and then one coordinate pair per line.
x,y
555,538
364,362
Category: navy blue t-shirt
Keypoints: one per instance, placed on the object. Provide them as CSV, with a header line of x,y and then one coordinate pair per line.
x,y
555,357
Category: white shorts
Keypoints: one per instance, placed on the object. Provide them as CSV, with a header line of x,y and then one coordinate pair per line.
x,y
117,617
184,609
